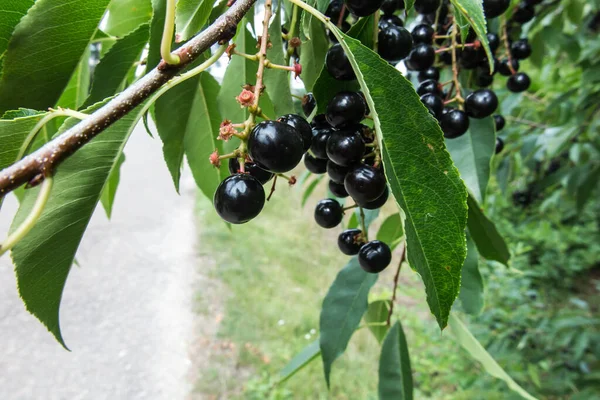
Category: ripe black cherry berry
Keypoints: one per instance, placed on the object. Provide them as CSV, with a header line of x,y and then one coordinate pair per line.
x,y
338,190
387,20
301,125
423,34
345,109
429,73
309,103
374,256
429,86
338,64
345,147
390,6
454,123
337,173
499,145
494,41
483,78
481,103
395,43
434,104
328,213
319,142
365,183
251,168
500,122
521,49
523,13
362,8
421,57
315,165
350,241
239,198
518,83
495,8
334,10
427,6
275,146
378,202
504,69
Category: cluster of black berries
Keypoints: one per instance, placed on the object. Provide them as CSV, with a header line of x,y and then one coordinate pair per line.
x,y
273,147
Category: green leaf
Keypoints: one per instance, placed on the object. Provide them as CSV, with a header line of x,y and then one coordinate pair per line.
x,y
472,11
310,189
112,183
79,86
463,26
44,257
127,15
363,30
39,62
157,25
313,54
376,318
471,283
191,16
343,308
395,373
277,82
301,360
423,180
466,339
113,68
391,230
12,135
10,14
408,5
485,235
472,154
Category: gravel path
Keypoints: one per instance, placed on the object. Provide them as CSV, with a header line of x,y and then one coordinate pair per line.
x,y
127,311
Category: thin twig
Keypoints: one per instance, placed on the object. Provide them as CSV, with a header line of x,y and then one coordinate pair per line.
x,y
396,278
457,87
262,54
272,188
507,46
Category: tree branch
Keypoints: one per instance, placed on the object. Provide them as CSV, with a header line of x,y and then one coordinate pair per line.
x,y
44,161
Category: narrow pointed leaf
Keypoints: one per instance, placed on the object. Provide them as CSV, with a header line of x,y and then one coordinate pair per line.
x,y
471,283
191,16
490,243
10,14
157,24
472,154
466,339
110,189
310,189
39,63
127,15
12,134
343,309
395,374
391,230
472,11
376,317
421,175
79,86
301,360
313,54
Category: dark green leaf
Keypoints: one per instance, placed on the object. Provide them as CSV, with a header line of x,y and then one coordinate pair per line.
x,y
409,4
113,68
472,11
391,230
79,86
472,154
39,62
343,308
301,360
313,54
11,13
44,257
310,189
471,283
588,184
485,235
112,183
395,373
157,25
12,134
126,15
376,318
191,16
423,180
363,30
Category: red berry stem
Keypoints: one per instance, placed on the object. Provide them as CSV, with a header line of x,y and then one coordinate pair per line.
x,y
507,46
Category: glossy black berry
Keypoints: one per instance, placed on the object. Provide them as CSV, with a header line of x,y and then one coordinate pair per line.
x,y
337,173
521,49
374,256
429,73
338,65
499,122
378,202
275,146
309,103
239,198
319,142
427,6
390,6
365,183
362,8
504,69
350,241
421,57
387,20
319,122
454,124
499,145
334,10
429,86
483,78
346,109
434,104
523,13
481,103
518,83
345,147
328,213
338,190
422,34
315,165
301,125
395,43
251,168
495,8
494,41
